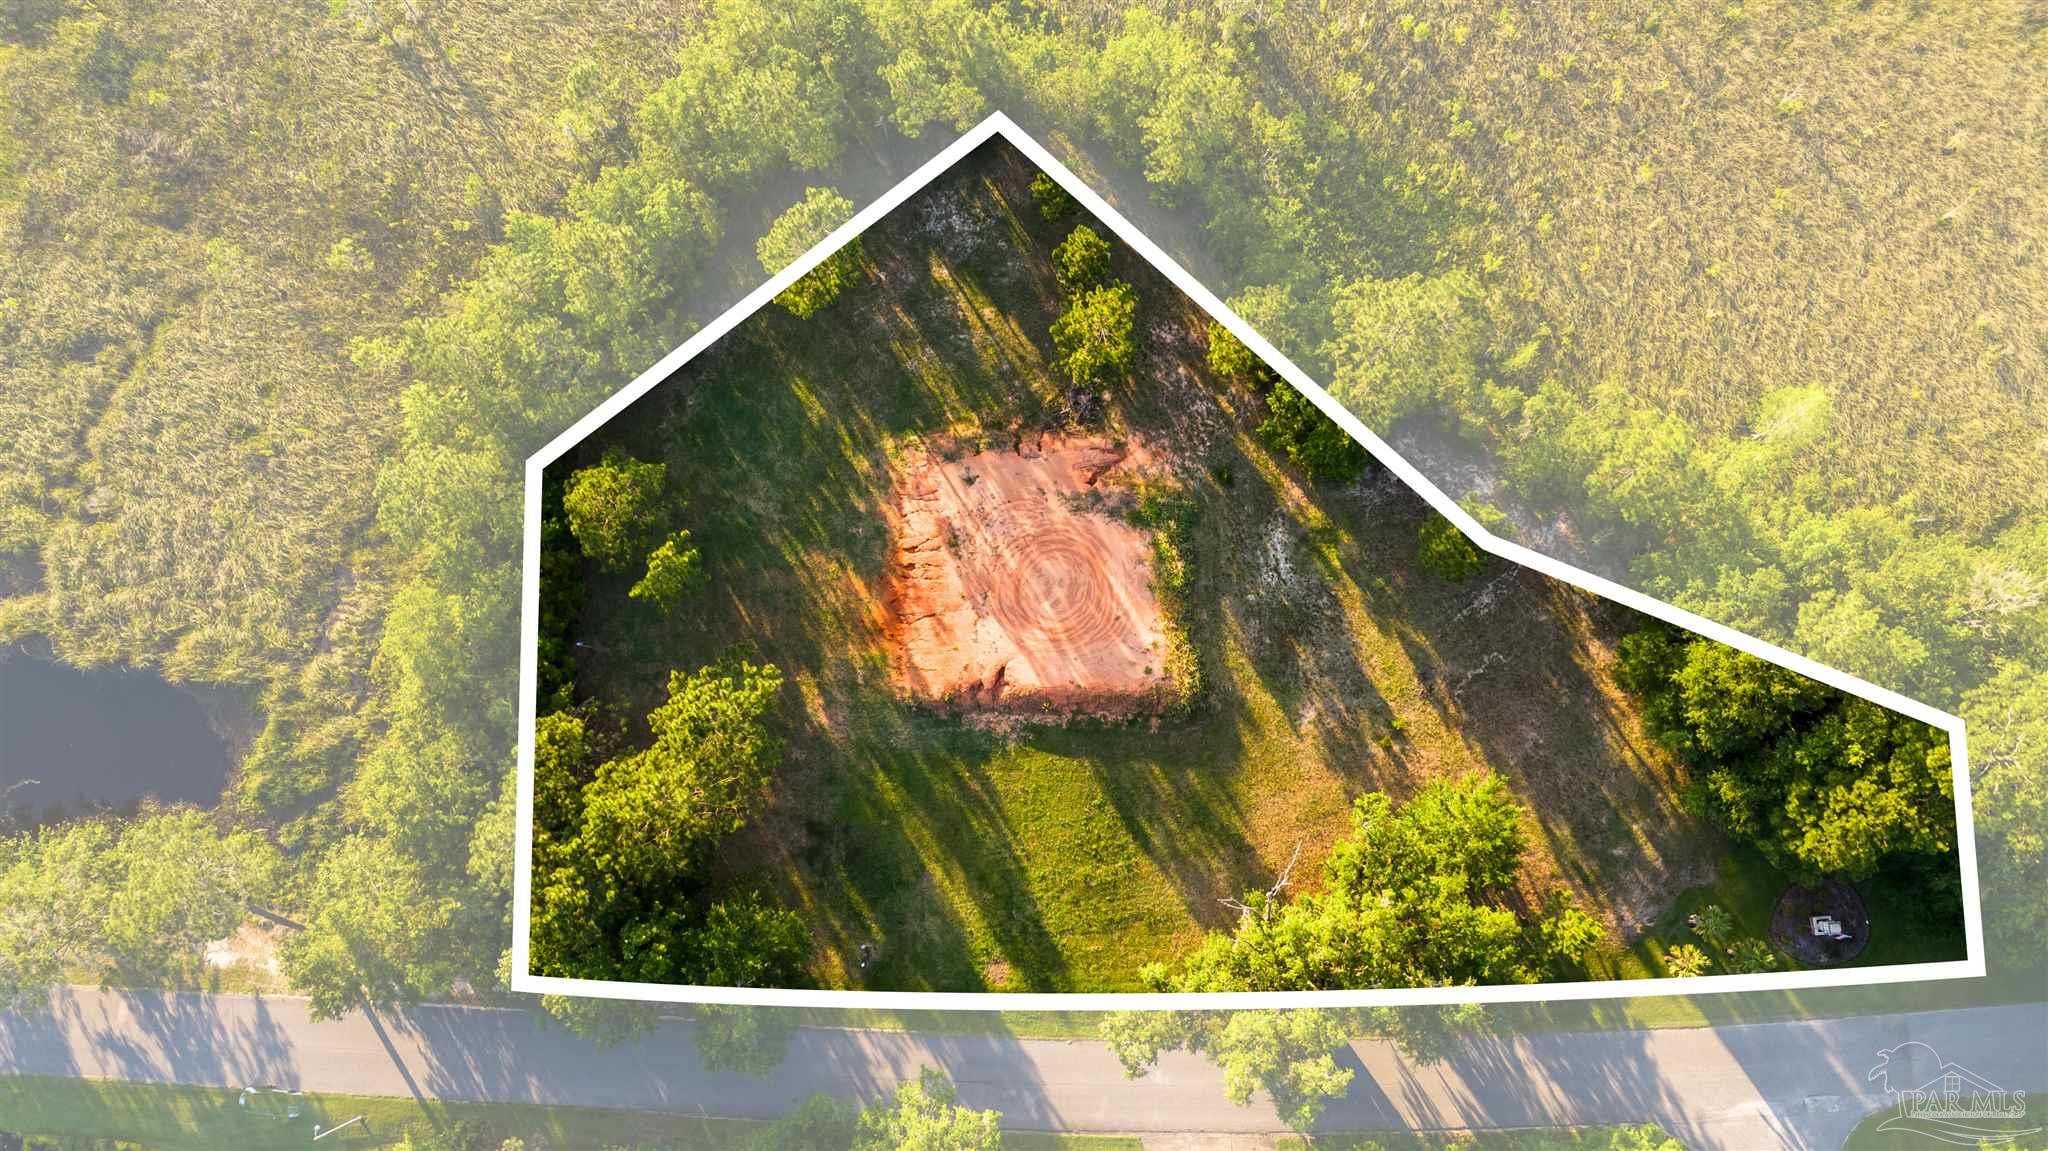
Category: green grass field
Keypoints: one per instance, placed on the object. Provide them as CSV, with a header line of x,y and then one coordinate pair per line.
x,y
1049,857
171,1118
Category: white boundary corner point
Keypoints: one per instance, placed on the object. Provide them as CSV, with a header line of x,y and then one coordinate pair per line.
x,y
1001,125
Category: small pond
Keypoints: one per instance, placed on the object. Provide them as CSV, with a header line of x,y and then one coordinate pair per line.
x,y
72,741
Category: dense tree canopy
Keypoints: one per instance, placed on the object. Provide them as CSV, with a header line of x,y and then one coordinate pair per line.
x,y
1401,344
1822,782
621,844
374,931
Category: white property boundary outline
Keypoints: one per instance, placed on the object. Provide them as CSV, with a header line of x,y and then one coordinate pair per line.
x,y
1001,125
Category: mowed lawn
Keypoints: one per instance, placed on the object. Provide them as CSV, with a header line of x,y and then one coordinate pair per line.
x,y
1044,857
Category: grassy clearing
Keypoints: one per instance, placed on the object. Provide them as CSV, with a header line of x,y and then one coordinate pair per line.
x,y
1748,887
175,1118
1064,858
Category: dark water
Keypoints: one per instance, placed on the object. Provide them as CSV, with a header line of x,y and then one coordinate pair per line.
x,y
99,739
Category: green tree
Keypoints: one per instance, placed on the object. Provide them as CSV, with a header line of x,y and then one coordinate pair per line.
x,y
1081,261
1288,1054
1821,782
1053,201
180,883
604,1022
2008,719
1314,441
819,1123
925,1116
1444,551
1229,357
749,92
1092,340
1411,898
54,884
375,931
1426,1035
673,571
615,508
750,1040
796,232
745,942
652,815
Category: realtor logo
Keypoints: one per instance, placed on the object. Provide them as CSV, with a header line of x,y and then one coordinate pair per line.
x,y
1947,1101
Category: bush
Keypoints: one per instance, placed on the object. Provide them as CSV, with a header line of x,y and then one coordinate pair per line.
x,y
1444,551
1228,356
1053,201
1311,439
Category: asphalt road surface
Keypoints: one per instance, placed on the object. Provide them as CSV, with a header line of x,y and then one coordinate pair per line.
x,y
1801,1084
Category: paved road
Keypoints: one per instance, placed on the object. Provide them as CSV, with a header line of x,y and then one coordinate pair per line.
x,y
1799,1084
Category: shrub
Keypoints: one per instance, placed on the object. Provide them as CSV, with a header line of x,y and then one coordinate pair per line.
x,y
1053,201
1444,551
1311,439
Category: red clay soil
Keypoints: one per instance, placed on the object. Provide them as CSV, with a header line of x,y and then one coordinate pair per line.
x,y
1011,591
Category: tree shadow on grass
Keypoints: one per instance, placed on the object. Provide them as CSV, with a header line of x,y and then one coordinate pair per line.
x,y
921,832
1522,678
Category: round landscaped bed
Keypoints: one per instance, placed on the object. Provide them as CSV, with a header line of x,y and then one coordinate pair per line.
x,y
1792,923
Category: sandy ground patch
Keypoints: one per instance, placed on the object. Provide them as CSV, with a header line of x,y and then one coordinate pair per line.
x,y
1013,588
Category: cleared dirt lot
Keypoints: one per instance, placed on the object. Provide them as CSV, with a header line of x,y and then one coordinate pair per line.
x,y
1016,587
